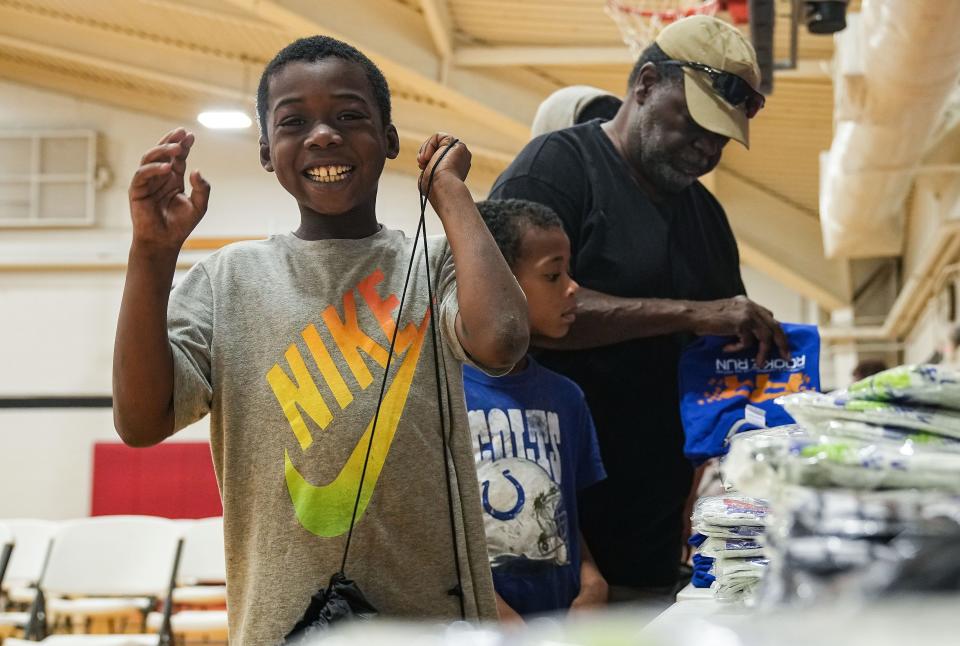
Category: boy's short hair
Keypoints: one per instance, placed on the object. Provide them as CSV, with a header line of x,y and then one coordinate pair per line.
x,y
508,220
316,48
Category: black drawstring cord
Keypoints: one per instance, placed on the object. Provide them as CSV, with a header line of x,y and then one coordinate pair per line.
x,y
421,231
458,589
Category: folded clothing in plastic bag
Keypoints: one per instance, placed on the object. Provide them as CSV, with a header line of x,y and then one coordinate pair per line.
x,y
841,453
804,511
924,384
753,464
817,410
858,464
727,567
727,538
728,531
742,568
731,547
722,393
738,579
729,511
826,544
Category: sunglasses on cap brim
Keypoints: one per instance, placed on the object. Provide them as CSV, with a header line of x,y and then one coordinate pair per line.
x,y
732,88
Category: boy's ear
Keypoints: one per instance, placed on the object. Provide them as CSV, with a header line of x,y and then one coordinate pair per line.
x,y
393,142
265,155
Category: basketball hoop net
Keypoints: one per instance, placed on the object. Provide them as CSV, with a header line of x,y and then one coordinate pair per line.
x,y
641,20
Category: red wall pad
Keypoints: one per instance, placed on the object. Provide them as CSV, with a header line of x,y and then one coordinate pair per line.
x,y
173,480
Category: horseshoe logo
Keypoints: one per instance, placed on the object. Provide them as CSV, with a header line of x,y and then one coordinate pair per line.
x,y
510,514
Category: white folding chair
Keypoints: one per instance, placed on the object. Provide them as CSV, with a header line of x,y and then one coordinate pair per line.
x,y
105,566
10,622
200,582
6,549
31,538
203,573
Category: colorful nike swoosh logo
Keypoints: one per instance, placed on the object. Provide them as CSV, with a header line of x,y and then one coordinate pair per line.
x,y
325,510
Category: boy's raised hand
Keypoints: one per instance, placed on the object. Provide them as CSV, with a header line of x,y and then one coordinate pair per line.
x,y
163,215
455,164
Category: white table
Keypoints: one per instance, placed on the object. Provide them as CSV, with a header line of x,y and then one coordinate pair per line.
x,y
694,604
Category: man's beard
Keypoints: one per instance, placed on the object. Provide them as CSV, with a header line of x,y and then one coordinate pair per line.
x,y
658,167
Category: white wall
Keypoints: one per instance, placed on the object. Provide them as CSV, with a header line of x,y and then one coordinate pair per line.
x,y
46,460
787,305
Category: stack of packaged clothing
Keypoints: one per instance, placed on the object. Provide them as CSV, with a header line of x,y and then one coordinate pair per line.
x,y
897,429
841,453
729,556
861,489
829,544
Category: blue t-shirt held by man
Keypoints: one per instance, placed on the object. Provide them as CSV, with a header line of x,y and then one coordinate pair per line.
x,y
535,448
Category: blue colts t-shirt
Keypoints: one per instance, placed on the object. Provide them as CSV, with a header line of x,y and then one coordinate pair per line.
x,y
535,448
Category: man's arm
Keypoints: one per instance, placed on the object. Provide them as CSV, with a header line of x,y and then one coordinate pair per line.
x,y
163,216
603,319
492,324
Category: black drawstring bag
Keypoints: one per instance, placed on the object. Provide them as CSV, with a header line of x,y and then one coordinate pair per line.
x,y
339,601
342,599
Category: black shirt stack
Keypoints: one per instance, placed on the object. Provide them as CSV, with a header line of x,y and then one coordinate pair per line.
x,y
624,244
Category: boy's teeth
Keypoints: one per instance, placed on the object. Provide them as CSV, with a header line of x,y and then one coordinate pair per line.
x,y
328,173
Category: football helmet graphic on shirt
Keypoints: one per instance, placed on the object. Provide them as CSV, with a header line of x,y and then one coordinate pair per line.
x,y
524,515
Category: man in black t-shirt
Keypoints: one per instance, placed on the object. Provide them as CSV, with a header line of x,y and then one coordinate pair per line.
x,y
657,263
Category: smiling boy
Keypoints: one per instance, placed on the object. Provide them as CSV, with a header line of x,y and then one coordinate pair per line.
x,y
284,342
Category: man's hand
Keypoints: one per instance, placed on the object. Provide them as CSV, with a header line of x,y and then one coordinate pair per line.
x,y
752,324
455,164
163,215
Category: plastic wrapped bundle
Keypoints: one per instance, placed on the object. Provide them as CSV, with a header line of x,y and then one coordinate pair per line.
x,y
739,578
727,538
860,464
729,511
842,453
847,429
929,385
847,544
817,410
736,568
731,531
731,547
756,458
802,511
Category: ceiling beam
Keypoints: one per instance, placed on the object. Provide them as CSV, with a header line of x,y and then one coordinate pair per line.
x,y
301,24
541,56
410,129
545,56
782,241
437,14
99,62
185,6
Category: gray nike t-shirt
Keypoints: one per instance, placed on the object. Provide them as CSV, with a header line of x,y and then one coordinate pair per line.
x,y
284,343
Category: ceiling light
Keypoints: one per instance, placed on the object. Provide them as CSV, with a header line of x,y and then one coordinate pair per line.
x,y
224,119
